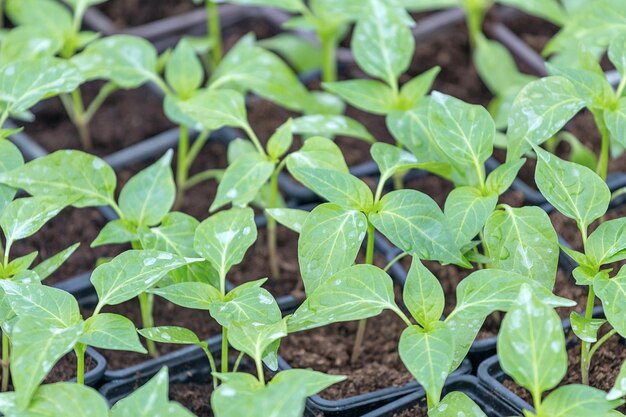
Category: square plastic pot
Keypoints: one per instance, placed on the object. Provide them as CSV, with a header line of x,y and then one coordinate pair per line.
x,y
492,405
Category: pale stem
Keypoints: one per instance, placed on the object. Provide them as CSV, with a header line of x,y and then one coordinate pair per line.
x,y
6,370
146,304
215,32
369,260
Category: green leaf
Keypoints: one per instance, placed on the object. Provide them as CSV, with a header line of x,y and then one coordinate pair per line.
x,y
224,238
423,295
50,16
246,303
148,196
585,328
619,387
612,292
524,241
531,344
208,109
183,70
318,152
465,131
20,264
171,334
428,355
577,401
132,273
467,210
547,9
382,44
331,125
26,82
84,3
255,338
281,141
36,347
501,178
341,188
25,216
617,53
391,159
150,401
300,53
115,232
615,119
243,180
126,60
574,190
413,222
607,243
539,111
84,179
368,95
50,265
49,305
288,5
456,404
197,295
59,400
10,159
354,293
415,90
112,332
592,87
28,42
330,240
290,218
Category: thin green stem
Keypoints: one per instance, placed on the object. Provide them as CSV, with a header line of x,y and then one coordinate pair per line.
x,y
79,119
200,177
394,260
620,87
254,138
238,361
329,56
146,304
259,370
369,260
7,250
80,349
224,350
1,18
215,32
197,146
108,89
4,116
271,227
6,360
371,236
603,161
212,364
182,169
398,180
599,344
584,354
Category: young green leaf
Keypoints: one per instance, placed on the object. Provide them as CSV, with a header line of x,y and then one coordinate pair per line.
x,y
148,196
115,232
382,43
577,401
128,61
467,210
83,179
523,240
28,42
243,180
423,295
611,292
354,293
531,344
456,404
196,295
318,152
330,126
301,54
413,222
290,218
540,110
619,387
255,338
340,188
10,159
172,334
150,400
501,178
592,87
183,70
248,302
617,53
112,332
414,91
607,243
24,83
575,191
132,273
281,141
288,5
208,109
25,216
20,264
391,159
48,15
368,95
585,328
615,118
224,238
428,355
50,265
329,242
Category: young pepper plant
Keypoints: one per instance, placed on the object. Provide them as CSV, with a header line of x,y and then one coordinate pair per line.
x,y
532,350
544,106
580,194
124,62
49,323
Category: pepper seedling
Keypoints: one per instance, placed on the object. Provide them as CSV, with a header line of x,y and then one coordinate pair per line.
x,y
532,350
46,28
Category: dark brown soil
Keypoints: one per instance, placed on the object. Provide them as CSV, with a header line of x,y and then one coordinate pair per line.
x,y
165,314
65,369
126,118
328,349
70,226
534,31
603,371
128,13
195,397
416,411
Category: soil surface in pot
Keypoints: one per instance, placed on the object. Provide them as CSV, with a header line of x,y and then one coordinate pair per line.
x,y
603,371
416,411
165,314
125,118
70,226
194,396
125,13
65,369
